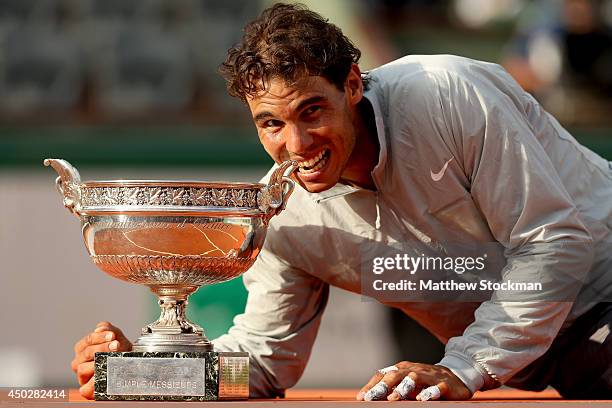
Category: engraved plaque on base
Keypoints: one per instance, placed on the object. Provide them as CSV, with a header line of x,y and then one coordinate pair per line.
x,y
171,376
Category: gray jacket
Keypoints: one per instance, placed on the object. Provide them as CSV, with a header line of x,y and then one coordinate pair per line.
x,y
466,156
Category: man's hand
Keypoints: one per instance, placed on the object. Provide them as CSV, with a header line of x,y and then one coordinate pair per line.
x,y
105,337
391,383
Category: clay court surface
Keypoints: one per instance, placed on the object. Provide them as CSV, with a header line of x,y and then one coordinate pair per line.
x,y
504,397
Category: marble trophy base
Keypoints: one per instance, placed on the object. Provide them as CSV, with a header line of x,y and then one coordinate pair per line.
x,y
171,376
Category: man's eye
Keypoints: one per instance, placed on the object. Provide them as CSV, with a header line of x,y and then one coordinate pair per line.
x,y
311,110
271,123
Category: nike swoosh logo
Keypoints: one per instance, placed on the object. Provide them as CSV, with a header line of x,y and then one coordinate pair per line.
x,y
438,176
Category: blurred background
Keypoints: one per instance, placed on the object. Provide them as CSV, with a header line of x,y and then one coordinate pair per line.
x,y
129,89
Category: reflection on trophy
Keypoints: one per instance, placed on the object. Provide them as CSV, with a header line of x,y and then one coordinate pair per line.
x,y
174,237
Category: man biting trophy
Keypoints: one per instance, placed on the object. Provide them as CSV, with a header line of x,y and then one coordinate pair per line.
x,y
428,149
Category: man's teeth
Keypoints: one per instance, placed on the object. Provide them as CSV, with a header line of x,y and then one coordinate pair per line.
x,y
312,161
313,164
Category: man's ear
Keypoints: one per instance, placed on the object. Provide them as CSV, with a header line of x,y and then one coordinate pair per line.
x,y
353,85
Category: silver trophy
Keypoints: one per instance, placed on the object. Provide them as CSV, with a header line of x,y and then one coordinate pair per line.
x,y
172,236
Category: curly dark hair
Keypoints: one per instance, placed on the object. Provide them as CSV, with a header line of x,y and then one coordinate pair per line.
x,y
287,41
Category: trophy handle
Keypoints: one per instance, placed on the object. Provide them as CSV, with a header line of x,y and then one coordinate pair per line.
x,y
68,183
273,197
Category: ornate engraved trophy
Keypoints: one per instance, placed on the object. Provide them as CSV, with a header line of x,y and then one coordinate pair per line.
x,y
173,237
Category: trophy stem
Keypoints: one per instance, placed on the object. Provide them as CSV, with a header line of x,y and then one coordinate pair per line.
x,y
172,319
172,331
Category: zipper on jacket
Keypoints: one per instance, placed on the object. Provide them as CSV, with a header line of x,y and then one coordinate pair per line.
x,y
377,223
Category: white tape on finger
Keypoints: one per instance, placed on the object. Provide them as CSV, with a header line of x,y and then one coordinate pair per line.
x,y
377,392
389,369
429,393
405,387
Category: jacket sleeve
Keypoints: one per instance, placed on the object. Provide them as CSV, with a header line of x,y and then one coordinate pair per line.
x,y
528,210
280,322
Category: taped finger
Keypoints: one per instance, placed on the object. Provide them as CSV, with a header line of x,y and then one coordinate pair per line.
x,y
429,393
377,392
373,381
405,387
389,369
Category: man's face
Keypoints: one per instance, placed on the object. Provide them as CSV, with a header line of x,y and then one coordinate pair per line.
x,y
311,122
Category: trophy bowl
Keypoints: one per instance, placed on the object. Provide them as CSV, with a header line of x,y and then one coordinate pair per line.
x,y
173,236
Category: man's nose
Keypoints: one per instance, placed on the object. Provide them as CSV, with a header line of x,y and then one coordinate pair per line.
x,y
297,140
